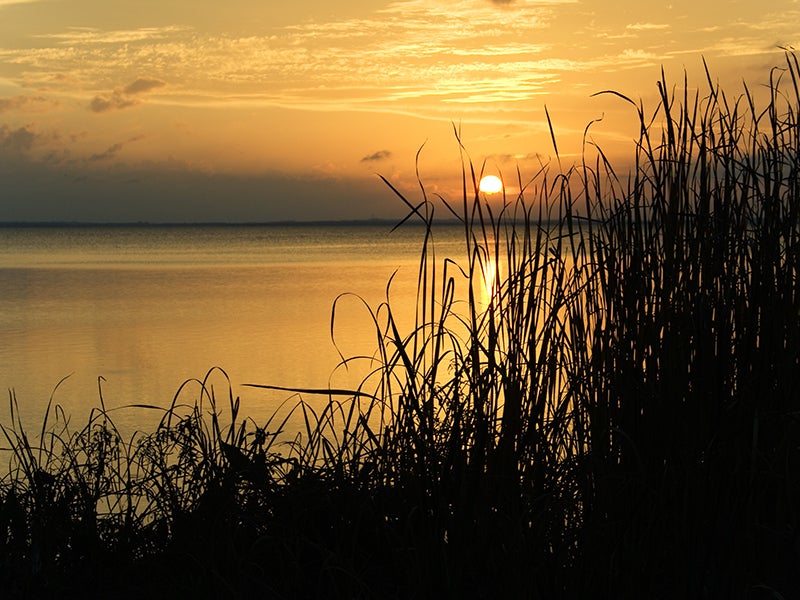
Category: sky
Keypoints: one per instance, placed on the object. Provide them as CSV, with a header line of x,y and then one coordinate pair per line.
x,y
245,110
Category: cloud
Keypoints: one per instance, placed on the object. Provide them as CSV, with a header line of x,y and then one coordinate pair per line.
x,y
646,26
110,152
143,85
115,101
408,56
16,141
433,59
377,156
125,97
25,103
28,146
89,35
113,150
515,158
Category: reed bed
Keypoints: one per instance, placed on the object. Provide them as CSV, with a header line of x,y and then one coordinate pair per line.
x,y
599,398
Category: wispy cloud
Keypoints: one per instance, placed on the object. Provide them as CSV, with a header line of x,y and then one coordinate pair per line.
x,y
377,156
464,51
141,86
126,97
646,26
26,104
91,35
419,57
113,150
114,101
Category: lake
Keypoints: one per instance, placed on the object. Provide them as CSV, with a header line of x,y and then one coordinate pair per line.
x,y
147,308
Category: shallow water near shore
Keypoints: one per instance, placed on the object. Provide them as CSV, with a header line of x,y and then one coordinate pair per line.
x,y
146,308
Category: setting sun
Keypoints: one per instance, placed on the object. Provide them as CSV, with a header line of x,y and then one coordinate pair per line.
x,y
491,184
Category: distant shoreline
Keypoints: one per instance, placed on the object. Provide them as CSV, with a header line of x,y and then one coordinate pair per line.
x,y
326,223
175,224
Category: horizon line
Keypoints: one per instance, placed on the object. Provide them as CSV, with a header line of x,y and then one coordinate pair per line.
x,y
369,221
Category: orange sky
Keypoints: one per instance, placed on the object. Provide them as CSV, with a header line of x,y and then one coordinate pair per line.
x,y
192,110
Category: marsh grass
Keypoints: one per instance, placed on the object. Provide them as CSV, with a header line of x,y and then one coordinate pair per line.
x,y
598,398
695,380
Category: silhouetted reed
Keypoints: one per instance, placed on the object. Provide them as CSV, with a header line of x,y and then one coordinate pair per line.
x,y
694,384
598,398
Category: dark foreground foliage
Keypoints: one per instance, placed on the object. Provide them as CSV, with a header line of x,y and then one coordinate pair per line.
x,y
599,399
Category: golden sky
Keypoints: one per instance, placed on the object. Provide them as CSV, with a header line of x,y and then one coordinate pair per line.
x,y
245,110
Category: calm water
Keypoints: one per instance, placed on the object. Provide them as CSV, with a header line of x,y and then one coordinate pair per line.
x,y
147,308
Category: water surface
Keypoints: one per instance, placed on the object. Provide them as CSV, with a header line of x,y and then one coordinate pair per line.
x,y
146,308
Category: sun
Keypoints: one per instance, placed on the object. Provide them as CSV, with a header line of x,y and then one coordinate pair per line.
x,y
491,185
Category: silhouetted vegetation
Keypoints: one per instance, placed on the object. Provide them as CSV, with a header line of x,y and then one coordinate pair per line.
x,y
600,398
